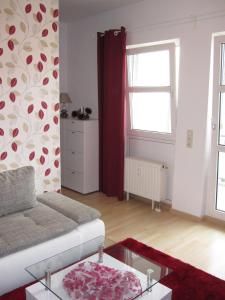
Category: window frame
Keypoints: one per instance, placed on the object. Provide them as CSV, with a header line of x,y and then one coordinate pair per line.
x,y
153,135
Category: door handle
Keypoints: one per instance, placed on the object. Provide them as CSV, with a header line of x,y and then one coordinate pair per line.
x,y
213,126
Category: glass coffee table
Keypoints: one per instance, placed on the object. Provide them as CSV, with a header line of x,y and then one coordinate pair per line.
x,y
98,270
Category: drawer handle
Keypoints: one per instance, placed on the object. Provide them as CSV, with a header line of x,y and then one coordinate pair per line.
x,y
73,172
73,152
73,132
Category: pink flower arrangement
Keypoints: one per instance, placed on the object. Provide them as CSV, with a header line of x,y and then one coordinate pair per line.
x,y
94,281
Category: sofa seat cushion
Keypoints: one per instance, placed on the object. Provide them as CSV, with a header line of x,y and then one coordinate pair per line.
x,y
73,209
31,227
17,190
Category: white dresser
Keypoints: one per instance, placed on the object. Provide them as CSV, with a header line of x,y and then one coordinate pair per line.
x,y
80,155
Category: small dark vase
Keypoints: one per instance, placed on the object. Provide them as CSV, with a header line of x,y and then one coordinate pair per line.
x,y
88,110
82,114
74,114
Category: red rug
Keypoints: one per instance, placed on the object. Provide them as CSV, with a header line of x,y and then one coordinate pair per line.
x,y
187,282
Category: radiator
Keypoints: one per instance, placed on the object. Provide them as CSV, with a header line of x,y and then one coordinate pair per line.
x,y
146,179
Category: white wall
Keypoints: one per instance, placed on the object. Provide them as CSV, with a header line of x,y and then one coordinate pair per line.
x,y
151,21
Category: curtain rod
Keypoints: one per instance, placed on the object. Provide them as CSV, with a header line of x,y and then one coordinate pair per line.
x,y
116,32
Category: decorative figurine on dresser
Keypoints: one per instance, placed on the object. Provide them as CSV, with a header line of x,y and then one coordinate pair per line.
x,y
80,154
64,101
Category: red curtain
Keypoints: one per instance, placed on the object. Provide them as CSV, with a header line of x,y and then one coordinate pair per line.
x,y
111,93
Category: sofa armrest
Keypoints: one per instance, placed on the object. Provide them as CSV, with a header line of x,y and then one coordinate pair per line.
x,y
72,209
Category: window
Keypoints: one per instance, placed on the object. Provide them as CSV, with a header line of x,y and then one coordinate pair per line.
x,y
151,90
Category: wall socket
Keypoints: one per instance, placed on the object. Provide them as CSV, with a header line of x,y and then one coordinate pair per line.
x,y
189,140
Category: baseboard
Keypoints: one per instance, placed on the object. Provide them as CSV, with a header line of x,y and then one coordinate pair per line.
x,y
205,218
167,205
212,220
186,215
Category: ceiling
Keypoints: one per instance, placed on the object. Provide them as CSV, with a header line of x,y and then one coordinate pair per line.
x,y
73,10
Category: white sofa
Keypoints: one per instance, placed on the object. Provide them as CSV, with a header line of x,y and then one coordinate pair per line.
x,y
33,228
12,267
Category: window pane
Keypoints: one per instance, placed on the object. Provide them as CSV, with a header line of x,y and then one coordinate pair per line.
x,y
222,79
149,69
151,111
222,119
220,203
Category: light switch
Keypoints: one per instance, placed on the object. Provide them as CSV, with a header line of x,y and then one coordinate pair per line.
x,y
189,141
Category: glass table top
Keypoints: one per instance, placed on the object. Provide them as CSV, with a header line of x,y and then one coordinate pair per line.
x,y
97,267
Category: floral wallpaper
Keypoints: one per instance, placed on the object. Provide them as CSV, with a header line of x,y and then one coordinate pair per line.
x,y
29,89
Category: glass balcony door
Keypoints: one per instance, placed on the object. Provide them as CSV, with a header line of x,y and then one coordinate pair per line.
x,y
216,180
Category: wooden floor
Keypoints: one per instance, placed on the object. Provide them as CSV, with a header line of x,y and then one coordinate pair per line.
x,y
201,244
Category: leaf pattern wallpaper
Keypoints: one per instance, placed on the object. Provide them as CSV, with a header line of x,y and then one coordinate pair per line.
x,y
29,89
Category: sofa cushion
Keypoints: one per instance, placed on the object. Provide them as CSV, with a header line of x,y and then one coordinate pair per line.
x,y
17,190
33,226
74,210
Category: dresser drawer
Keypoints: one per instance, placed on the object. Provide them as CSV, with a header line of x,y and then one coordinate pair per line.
x,y
73,161
75,141
73,180
76,125
78,181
